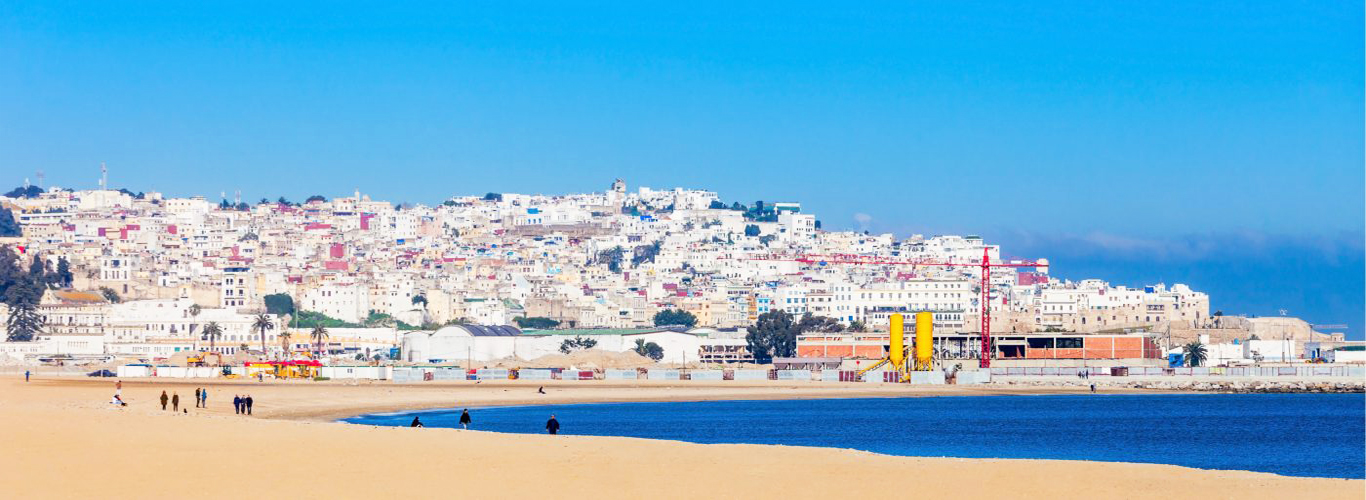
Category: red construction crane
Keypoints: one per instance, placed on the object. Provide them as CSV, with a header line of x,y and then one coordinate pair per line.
x,y
984,263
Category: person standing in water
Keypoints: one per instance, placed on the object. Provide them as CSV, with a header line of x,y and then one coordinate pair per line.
x,y
552,426
416,423
465,419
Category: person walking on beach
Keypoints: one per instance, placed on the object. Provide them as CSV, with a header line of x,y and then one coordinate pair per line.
x,y
175,401
196,397
26,375
204,398
1093,387
237,403
465,419
552,426
163,400
416,423
247,401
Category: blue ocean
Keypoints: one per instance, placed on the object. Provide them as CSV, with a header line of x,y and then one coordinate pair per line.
x,y
1320,435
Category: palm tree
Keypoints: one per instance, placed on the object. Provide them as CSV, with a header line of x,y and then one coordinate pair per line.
x,y
319,335
1195,353
194,314
212,332
262,324
284,344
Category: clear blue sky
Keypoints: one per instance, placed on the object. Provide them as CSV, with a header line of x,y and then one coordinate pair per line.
x,y
1096,131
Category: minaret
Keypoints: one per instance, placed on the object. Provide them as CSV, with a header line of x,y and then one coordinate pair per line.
x,y
104,177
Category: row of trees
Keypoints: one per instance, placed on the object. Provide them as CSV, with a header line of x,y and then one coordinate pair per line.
x,y
774,335
261,324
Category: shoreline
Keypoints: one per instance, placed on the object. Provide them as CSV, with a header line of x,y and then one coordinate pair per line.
x,y
141,451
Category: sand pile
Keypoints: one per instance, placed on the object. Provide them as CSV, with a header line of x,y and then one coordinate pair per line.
x,y
592,359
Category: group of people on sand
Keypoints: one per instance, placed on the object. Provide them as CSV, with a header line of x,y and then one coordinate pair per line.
x,y
552,426
201,400
174,399
242,404
169,401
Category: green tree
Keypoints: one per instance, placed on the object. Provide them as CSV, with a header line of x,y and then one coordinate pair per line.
x,y
9,228
535,323
25,192
613,258
577,343
823,324
420,299
23,322
212,332
857,326
1195,353
284,343
279,304
10,273
37,269
64,275
752,230
773,335
672,317
316,197
319,335
717,205
649,349
194,311
262,324
110,295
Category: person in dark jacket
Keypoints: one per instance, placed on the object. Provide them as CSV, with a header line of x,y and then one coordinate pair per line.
x,y
175,401
196,397
552,426
247,402
465,419
236,403
416,423
164,398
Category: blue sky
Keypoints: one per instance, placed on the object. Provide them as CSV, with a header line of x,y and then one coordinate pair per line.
x,y
1139,141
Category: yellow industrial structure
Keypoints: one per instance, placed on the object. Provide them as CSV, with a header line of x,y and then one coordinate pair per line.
x,y
924,341
923,360
897,352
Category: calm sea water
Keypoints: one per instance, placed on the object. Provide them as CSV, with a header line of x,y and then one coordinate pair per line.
x,y
1291,434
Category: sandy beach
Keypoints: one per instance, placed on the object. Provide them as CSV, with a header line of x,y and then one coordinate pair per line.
x,y
63,440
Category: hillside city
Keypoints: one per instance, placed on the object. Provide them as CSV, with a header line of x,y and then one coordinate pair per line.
x,y
141,274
